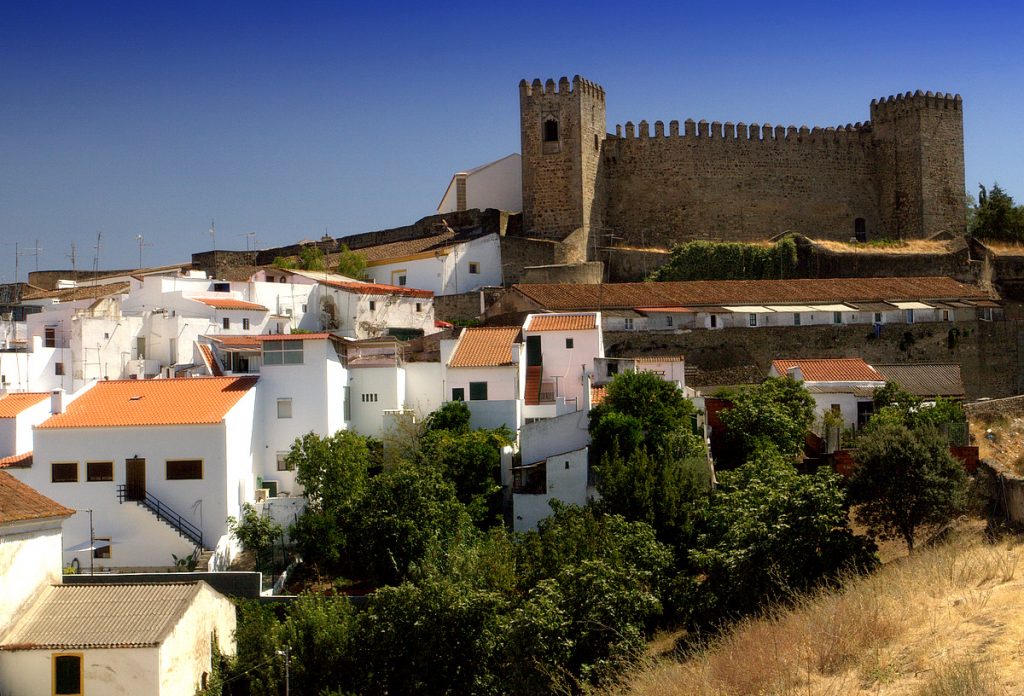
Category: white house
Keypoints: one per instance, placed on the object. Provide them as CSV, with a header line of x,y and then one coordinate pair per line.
x,y
18,414
560,354
497,184
841,386
483,367
161,464
104,640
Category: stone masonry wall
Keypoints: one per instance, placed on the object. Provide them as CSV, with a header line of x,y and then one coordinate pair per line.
x,y
991,360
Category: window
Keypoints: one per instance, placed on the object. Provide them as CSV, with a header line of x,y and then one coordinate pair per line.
x,y
419,306
714,321
282,462
568,343
478,391
58,369
140,347
668,320
284,408
627,323
226,323
64,472
373,305
67,675
751,320
860,230
348,403
613,368
245,324
172,348
796,318
399,277
369,398
282,352
474,267
984,314
99,471
878,317
837,317
908,315
550,131
945,315
458,393
101,547
184,469
50,337
304,308
222,287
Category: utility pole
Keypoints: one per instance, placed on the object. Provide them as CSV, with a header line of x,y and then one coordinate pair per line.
x,y
213,234
96,255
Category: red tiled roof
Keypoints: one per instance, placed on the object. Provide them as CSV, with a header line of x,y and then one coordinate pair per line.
x,y
377,288
485,347
17,461
831,370
19,501
229,303
135,402
13,404
703,293
597,394
242,340
210,360
562,322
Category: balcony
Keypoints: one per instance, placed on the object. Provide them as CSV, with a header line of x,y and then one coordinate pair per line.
x,y
530,479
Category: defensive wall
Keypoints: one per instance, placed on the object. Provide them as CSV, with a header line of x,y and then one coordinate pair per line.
x,y
989,353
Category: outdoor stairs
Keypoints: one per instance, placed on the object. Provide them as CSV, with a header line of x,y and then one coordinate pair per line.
x,y
203,559
534,374
166,515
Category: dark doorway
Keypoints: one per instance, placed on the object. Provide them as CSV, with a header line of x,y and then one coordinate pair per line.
x,y
135,478
533,354
860,230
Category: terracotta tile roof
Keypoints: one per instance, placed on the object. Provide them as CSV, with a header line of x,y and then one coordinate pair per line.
x,y
17,461
135,402
702,293
562,322
659,358
229,303
13,404
485,347
925,379
19,501
597,394
101,616
258,339
831,370
211,362
377,289
85,292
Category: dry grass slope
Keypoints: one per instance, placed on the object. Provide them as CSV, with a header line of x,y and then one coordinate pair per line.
x,y
944,622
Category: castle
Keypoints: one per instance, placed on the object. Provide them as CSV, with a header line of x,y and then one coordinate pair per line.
x,y
899,175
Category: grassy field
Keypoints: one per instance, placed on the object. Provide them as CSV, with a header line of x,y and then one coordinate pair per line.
x,y
943,622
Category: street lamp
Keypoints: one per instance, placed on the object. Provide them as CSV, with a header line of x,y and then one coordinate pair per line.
x,y
287,661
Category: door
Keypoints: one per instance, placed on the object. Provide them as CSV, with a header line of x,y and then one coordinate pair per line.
x,y
135,479
533,354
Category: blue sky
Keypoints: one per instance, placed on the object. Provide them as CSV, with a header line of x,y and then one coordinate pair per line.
x,y
289,119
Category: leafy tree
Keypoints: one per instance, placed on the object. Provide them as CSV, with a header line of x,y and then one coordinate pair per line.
x,y
312,258
996,216
453,416
769,533
254,532
401,516
256,642
319,633
285,263
472,462
775,414
350,263
893,404
905,478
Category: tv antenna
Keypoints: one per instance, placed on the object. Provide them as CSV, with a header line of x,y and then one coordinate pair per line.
x,y
249,236
96,254
18,253
213,233
142,243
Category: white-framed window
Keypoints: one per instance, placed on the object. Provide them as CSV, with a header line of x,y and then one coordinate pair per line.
x,y
878,317
908,316
751,319
284,408
628,323
796,318
399,277
837,317
474,267
282,352
245,323
984,314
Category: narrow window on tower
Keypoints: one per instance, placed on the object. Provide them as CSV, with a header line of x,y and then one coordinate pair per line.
x,y
551,131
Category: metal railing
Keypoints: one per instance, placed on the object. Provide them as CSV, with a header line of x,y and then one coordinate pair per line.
x,y
162,512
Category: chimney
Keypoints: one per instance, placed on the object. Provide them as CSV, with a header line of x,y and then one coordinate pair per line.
x,y
795,373
57,401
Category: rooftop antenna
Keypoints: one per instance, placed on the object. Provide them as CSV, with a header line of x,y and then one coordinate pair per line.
x,y
213,234
249,236
74,259
96,255
37,250
18,253
141,240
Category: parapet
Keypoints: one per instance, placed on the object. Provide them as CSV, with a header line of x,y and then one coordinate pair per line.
x,y
739,132
891,106
578,85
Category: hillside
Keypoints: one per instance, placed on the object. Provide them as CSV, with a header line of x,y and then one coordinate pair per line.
x,y
943,622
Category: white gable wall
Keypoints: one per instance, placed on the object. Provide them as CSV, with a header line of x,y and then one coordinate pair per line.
x,y
30,558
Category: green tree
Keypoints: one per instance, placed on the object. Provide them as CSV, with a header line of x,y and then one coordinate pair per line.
x,y
905,478
319,633
350,263
453,416
285,263
775,414
997,217
254,532
252,671
312,258
769,533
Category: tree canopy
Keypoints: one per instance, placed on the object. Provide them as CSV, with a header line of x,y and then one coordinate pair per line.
x,y
997,216
774,415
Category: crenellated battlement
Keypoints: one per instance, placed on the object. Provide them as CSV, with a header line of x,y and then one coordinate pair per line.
x,y
742,132
891,106
563,87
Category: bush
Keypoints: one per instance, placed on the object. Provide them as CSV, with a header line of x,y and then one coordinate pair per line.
x,y
729,261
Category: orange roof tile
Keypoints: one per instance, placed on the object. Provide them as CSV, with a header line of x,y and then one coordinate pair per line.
x,y
229,303
19,501
135,402
16,461
831,370
562,322
210,360
703,293
597,394
13,404
485,347
377,288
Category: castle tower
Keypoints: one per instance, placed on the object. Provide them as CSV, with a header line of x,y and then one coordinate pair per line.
x,y
562,130
919,164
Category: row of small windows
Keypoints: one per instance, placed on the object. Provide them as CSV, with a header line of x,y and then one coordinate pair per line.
x,y
176,470
226,323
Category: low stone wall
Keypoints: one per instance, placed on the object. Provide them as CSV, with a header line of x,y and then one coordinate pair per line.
x,y
464,306
1006,490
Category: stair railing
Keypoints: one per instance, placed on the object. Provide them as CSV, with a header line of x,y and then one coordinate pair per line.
x,y
162,512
